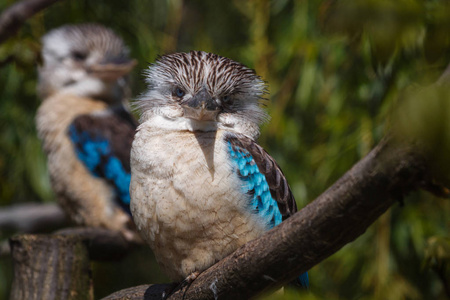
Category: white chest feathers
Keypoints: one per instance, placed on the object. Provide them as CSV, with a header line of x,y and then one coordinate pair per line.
x,y
187,200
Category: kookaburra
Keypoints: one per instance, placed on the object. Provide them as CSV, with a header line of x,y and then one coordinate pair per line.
x,y
200,184
85,128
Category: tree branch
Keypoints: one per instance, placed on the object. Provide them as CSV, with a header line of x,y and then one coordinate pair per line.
x,y
57,266
337,217
102,244
32,217
13,17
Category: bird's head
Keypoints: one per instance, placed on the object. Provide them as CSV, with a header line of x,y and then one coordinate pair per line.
x,y
203,91
87,60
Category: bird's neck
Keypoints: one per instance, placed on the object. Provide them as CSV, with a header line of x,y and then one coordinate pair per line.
x,y
58,111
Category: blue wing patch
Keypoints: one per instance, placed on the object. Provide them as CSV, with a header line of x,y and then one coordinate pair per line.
x,y
96,154
303,280
262,202
255,184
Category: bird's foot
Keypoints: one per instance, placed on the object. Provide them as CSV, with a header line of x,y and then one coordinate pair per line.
x,y
178,286
190,279
168,291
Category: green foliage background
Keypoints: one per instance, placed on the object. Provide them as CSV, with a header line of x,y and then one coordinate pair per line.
x,y
335,69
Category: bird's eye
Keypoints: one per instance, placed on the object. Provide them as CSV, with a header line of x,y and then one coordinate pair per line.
x,y
226,98
79,56
179,92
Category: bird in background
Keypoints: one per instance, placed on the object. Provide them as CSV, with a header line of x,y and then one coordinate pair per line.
x,y
200,184
85,126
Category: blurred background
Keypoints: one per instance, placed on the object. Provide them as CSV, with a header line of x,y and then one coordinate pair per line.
x,y
335,69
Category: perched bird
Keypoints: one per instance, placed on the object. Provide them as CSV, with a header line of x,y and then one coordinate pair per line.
x,y
85,127
200,185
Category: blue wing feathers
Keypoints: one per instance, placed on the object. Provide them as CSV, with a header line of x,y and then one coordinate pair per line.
x,y
303,280
89,150
255,183
103,156
121,178
262,202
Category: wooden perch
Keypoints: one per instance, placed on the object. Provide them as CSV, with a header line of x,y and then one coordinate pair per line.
x,y
102,244
337,217
32,217
56,266
14,16
50,267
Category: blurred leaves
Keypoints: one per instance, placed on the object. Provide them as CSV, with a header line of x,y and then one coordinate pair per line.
x,y
422,116
437,253
335,72
437,258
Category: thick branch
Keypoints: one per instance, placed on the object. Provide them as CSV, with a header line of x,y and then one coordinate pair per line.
x,y
13,17
337,217
56,266
102,244
32,218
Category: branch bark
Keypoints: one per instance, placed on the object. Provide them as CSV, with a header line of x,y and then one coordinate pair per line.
x,y
337,217
101,244
13,17
50,267
57,266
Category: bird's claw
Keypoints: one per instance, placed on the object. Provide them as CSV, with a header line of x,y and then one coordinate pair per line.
x,y
169,291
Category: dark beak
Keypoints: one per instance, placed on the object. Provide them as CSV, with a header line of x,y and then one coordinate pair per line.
x,y
201,107
113,70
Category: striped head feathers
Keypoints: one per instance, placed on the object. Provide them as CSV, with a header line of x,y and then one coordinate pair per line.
x,y
203,91
86,59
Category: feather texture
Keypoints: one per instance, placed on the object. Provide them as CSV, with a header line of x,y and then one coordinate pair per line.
x,y
201,186
221,77
255,184
272,199
103,142
85,129
267,167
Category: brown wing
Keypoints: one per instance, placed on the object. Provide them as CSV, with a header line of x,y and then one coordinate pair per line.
x,y
102,142
278,185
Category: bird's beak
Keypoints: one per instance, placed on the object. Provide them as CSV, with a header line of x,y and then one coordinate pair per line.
x,y
112,70
201,107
